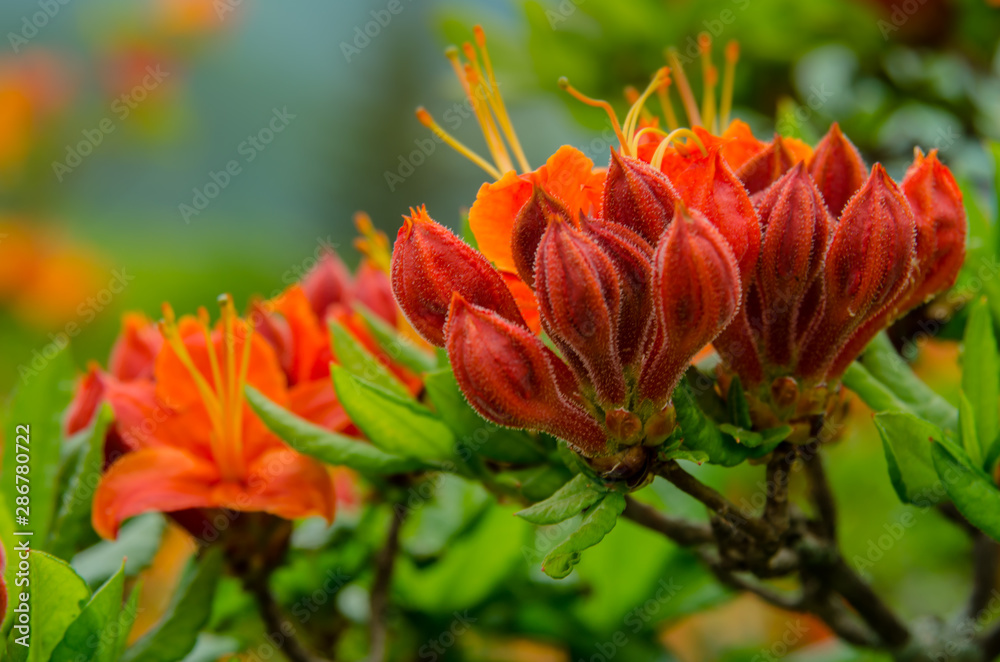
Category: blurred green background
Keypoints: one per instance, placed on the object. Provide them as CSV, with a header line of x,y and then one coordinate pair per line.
x,y
895,74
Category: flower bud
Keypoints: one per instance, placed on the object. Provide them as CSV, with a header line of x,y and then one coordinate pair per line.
x,y
869,262
529,226
373,290
624,426
936,202
796,229
511,378
429,264
697,290
579,301
766,167
632,258
638,197
837,168
327,283
707,184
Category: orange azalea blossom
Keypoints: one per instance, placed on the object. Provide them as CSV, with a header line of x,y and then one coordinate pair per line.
x,y
790,259
212,451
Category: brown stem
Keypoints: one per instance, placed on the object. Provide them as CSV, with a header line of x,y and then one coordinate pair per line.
x,y
984,574
715,501
819,490
776,479
275,622
384,565
681,531
892,631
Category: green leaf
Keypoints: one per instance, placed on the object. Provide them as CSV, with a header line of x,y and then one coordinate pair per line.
x,y
93,636
698,457
737,405
535,483
176,633
39,401
73,521
981,377
596,524
572,498
482,436
357,360
906,440
57,598
895,386
701,434
137,544
967,434
970,489
399,348
324,445
396,426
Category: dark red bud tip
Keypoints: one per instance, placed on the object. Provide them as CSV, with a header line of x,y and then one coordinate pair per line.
x,y
429,264
511,378
766,167
579,299
327,283
638,197
868,266
696,282
936,202
796,230
529,226
837,168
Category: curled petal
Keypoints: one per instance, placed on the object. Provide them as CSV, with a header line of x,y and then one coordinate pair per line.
x,y
511,378
766,167
429,264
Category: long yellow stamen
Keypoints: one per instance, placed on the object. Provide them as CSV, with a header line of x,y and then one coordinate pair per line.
x,y
632,118
663,92
684,88
596,103
481,104
728,78
709,79
241,385
426,119
372,244
171,334
499,108
674,136
213,359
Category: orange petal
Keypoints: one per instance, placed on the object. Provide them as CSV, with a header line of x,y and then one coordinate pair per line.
x,y
491,218
525,300
287,484
739,144
136,348
316,401
568,176
310,342
152,479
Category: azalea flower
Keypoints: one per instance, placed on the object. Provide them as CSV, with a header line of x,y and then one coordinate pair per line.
x,y
212,451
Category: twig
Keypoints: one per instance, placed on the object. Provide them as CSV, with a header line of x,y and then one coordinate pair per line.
x,y
819,490
892,631
275,621
776,479
984,574
765,593
683,532
843,623
384,565
715,501
990,643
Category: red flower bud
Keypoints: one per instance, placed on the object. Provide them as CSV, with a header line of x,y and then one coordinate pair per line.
x,y
373,290
579,301
869,262
429,264
632,258
766,167
511,378
638,197
707,184
327,283
529,226
936,202
837,168
696,285
796,228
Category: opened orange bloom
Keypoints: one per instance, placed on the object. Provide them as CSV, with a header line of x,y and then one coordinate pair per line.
x,y
210,450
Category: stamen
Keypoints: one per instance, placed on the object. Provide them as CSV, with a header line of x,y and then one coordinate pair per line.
x,y
171,334
472,96
684,88
241,383
632,118
372,243
480,107
231,445
663,92
728,77
213,359
497,101
674,136
426,119
596,103
709,78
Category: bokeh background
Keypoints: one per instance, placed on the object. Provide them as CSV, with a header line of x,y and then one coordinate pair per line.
x,y
119,118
